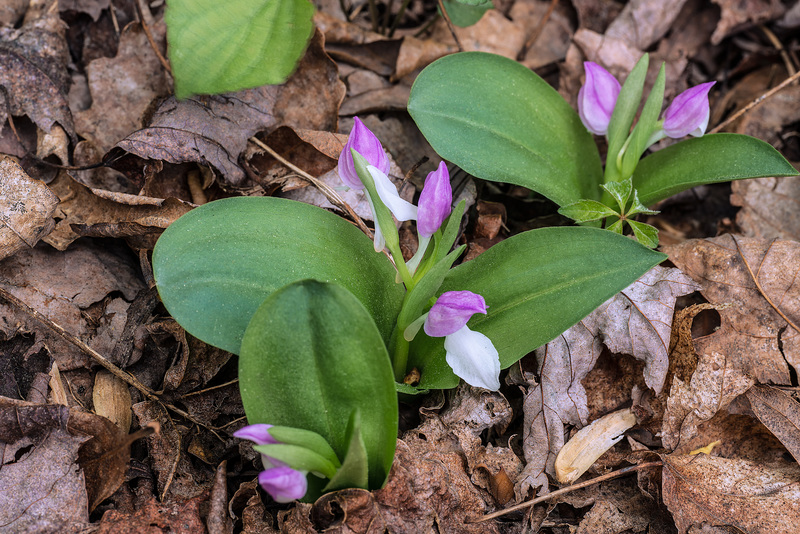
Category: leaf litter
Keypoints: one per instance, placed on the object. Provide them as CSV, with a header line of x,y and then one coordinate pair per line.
x,y
76,242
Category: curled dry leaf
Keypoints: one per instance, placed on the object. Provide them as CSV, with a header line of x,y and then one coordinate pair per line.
x,y
589,443
26,209
637,321
751,497
759,280
780,413
739,14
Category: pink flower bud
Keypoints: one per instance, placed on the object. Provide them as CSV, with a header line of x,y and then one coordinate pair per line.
x,y
435,201
258,433
688,113
284,484
452,311
366,144
597,98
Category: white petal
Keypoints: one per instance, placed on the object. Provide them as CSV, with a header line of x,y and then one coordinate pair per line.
x,y
473,357
378,239
402,209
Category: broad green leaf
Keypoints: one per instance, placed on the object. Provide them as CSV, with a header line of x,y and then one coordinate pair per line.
x,y
310,356
215,265
587,210
536,285
619,127
218,47
305,438
298,457
645,126
709,159
465,13
499,121
354,471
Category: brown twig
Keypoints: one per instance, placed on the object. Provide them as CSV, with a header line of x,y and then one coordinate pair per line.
x,y
99,358
450,25
614,474
779,47
756,102
331,194
538,31
140,9
755,276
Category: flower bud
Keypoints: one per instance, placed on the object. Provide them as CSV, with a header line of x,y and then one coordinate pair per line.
x,y
597,98
284,484
688,113
452,311
366,144
435,201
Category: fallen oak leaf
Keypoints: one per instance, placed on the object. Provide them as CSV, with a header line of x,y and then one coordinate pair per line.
x,y
780,413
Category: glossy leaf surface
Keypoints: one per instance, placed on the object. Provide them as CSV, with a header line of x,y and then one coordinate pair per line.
x,y
536,285
499,121
310,357
215,265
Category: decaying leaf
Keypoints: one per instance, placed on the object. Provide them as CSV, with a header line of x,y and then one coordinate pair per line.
x,y
180,517
643,22
26,209
759,280
780,413
751,497
636,321
589,443
112,399
738,14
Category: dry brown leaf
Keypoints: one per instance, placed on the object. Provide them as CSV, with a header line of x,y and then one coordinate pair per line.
x,y
134,76
34,74
112,399
214,130
494,33
417,54
759,279
740,14
615,54
26,209
749,496
178,517
120,214
780,413
637,320
93,8
596,15
552,39
643,22
43,488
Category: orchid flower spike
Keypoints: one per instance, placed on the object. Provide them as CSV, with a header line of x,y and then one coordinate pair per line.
x,y
283,483
366,144
597,98
470,354
435,204
688,113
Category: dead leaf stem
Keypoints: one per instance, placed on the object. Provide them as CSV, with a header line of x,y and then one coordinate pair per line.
x,y
758,101
755,276
99,358
140,7
331,194
450,25
779,47
614,474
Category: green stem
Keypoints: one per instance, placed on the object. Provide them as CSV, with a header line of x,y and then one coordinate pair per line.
x,y
399,354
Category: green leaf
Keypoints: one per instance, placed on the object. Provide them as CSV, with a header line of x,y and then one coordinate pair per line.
x,y
637,207
215,265
310,356
499,121
304,438
645,126
587,210
620,192
709,159
645,234
619,127
217,47
382,213
298,457
536,284
450,232
354,470
465,13
418,297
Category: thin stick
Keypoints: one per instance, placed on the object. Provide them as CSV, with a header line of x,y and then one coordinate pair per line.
x,y
324,188
450,25
150,39
756,102
373,14
400,13
99,358
779,46
538,31
614,474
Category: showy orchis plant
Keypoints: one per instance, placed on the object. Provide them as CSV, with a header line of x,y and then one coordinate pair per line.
x,y
518,129
327,329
